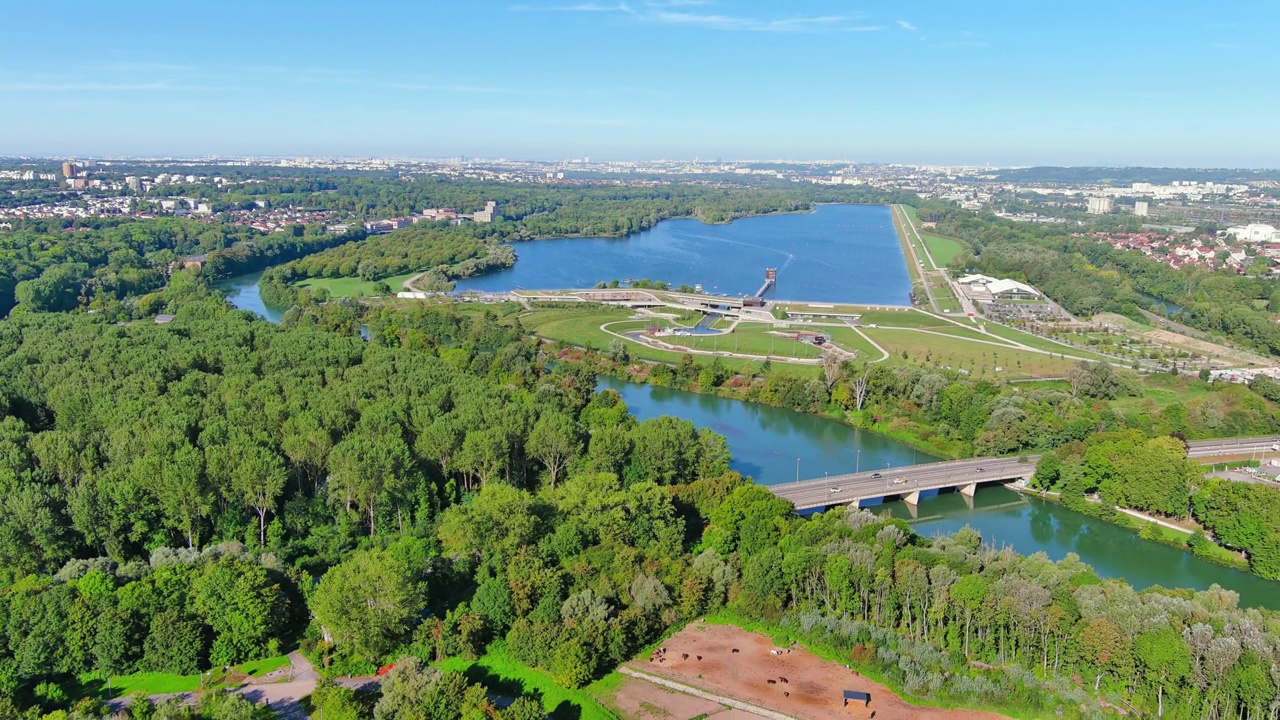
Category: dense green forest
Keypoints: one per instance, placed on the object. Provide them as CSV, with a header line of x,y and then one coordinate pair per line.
x,y
446,253
174,492
106,265
1088,277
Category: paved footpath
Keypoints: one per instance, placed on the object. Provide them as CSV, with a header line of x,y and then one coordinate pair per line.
x,y
299,681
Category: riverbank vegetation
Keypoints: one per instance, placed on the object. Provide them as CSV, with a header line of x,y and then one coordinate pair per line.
x,y
174,492
1105,471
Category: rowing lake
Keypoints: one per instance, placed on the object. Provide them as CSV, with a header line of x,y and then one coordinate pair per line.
x,y
836,253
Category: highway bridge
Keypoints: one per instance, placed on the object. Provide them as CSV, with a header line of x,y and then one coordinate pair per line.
x,y
913,483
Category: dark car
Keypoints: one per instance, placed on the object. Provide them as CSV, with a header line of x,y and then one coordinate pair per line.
x,y
982,469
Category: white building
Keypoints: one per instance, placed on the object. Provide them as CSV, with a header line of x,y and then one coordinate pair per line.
x,y
1100,205
1012,290
984,288
1253,232
1140,208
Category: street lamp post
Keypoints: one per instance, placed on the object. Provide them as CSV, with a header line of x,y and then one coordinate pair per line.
x,y
797,469
857,468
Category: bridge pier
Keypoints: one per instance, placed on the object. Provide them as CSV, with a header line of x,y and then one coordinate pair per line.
x,y
912,498
969,490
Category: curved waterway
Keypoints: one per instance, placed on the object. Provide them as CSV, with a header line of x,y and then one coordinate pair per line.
x,y
767,441
242,292
837,253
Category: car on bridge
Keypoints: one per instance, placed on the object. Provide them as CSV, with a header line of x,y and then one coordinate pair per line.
x,y
875,476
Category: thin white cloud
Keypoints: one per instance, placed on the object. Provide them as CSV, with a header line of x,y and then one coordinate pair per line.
x,y
53,86
824,23
436,87
580,7
907,26
665,13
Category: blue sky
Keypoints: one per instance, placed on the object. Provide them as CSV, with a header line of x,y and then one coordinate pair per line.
x,y
1175,82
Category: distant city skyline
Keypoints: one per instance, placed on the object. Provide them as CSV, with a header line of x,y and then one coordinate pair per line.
x,y
1169,84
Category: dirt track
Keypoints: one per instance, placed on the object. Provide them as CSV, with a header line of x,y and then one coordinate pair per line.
x,y
813,687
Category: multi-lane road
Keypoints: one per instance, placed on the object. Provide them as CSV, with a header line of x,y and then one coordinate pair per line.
x,y
902,481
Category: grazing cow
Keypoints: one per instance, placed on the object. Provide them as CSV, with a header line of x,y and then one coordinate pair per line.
x,y
684,656
786,694
699,657
772,681
662,660
735,650
784,680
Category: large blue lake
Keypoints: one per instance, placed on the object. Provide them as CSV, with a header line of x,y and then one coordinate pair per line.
x,y
837,253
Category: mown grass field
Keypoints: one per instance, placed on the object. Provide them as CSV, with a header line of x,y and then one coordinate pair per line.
x,y
900,318
980,360
581,327
848,339
154,683
1039,343
352,286
504,675
942,249
750,339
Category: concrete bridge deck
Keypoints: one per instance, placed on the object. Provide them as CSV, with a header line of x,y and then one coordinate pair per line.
x,y
913,482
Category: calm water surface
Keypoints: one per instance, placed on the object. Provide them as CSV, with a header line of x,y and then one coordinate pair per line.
x,y
837,253
766,441
242,292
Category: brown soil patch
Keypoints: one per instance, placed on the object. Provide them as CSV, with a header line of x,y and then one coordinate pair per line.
x,y
642,700
814,686
1200,346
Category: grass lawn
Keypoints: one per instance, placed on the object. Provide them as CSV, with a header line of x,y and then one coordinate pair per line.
x,y
1039,343
351,286
970,333
1162,390
153,683
258,668
900,318
848,339
581,327
751,339
505,676
979,360
943,249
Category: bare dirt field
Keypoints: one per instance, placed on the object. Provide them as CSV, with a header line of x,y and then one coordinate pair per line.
x,y
811,689
642,700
